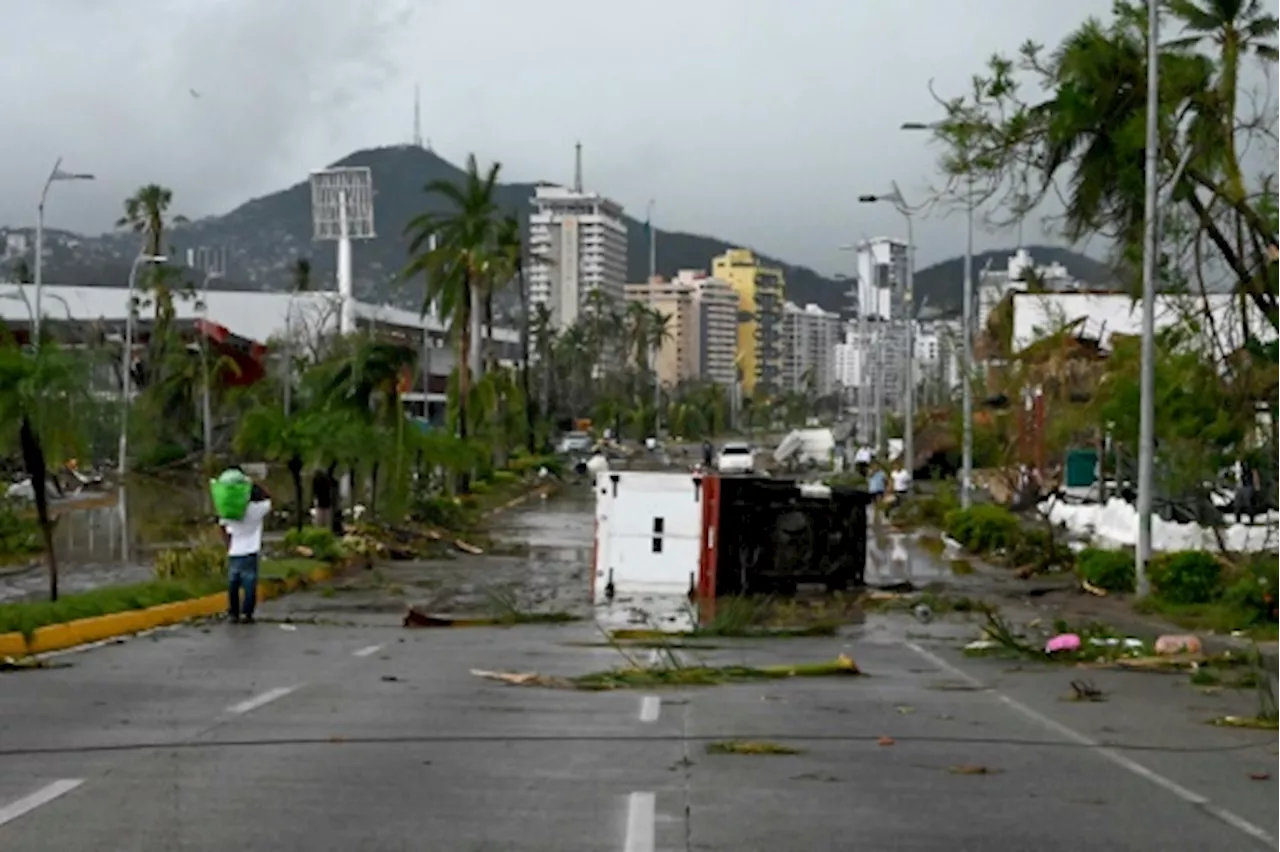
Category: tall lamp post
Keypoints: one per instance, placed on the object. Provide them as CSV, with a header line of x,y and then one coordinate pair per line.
x,y
56,175
1146,410
909,408
127,358
966,319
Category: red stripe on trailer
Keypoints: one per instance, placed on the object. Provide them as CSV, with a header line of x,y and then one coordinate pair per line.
x,y
706,605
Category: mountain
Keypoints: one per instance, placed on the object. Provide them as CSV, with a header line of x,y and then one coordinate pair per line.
x,y
263,237
939,289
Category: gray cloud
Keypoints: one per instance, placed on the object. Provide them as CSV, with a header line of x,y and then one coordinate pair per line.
x,y
754,120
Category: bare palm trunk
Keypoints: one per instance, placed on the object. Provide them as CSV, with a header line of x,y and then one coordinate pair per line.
x,y
475,332
524,359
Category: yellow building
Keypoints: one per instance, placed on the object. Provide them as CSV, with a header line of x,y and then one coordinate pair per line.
x,y
761,292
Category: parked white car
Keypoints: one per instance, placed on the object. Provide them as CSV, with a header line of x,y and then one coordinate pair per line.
x,y
736,458
574,443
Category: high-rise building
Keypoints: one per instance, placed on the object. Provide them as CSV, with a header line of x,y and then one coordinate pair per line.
x,y
677,357
882,278
810,335
761,291
718,328
577,245
702,326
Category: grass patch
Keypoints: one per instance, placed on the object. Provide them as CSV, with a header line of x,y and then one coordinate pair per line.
x,y
750,747
1219,616
931,596
1259,723
26,618
767,617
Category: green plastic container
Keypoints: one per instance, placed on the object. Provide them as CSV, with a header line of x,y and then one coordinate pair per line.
x,y
1081,468
231,493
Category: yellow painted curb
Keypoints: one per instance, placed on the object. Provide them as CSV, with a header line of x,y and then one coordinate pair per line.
x,y
59,637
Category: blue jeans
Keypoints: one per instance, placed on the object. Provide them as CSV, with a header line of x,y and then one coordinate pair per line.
x,y
242,573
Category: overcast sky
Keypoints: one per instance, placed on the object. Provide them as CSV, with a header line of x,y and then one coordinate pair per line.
x,y
758,121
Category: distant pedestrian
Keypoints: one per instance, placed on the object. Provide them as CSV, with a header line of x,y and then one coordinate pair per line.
x,y
901,482
877,482
244,548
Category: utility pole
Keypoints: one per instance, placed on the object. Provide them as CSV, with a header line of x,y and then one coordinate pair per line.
x,y
1147,408
966,378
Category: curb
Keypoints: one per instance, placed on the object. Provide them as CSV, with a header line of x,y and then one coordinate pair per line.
x,y
83,631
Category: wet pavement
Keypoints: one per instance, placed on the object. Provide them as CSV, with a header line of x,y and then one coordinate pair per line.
x,y
356,734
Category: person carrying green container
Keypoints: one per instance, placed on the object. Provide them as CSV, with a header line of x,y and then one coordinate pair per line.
x,y
242,507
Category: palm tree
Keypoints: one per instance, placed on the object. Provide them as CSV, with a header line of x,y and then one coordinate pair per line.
x,y
1238,28
456,254
511,247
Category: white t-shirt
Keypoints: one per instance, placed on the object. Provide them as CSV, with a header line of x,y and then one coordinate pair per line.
x,y
246,533
862,456
901,480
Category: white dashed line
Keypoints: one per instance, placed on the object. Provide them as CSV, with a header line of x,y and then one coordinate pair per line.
x,y
367,652
1189,796
650,707
258,700
640,823
43,796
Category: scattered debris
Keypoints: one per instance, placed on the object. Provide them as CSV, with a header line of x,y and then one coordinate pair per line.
x,y
972,769
1262,723
23,664
390,679
814,776
289,627
1092,589
923,613
885,741
636,676
750,747
1086,691
1259,776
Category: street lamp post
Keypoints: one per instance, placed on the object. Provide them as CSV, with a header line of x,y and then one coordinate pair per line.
x,y
909,407
1147,411
57,174
966,333
127,359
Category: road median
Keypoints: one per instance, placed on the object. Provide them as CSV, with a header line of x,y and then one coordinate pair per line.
x,y
44,626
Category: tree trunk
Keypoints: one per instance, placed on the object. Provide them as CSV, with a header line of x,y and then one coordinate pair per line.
x,y
295,473
373,489
34,462
524,361
335,501
475,349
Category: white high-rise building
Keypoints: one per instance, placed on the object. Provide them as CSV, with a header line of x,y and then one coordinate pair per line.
x,y
577,245
882,278
809,336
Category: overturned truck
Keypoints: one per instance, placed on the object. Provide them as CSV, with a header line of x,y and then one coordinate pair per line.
x,y
667,544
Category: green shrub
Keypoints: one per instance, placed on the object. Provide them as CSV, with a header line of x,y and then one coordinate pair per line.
x,y
504,477
1111,570
195,564
320,542
1252,590
525,465
19,532
1186,577
439,511
984,529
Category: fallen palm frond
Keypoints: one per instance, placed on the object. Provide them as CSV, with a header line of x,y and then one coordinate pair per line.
x,y
750,747
641,677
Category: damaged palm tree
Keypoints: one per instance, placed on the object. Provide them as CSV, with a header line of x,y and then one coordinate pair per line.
x,y
38,390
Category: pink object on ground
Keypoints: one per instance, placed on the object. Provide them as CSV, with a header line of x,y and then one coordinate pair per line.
x,y
1062,642
1178,644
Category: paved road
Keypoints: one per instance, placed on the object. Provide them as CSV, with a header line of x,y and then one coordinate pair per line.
x,y
369,737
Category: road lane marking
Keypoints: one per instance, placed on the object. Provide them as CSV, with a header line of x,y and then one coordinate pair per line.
x,y
258,700
641,823
367,652
1123,761
43,796
650,707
